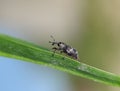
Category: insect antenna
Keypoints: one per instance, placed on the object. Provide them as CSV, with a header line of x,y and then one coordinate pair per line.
x,y
52,38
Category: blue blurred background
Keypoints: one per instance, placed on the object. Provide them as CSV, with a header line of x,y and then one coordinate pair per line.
x,y
92,27
22,76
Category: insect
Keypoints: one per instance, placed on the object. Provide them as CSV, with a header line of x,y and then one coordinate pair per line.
x,y
64,48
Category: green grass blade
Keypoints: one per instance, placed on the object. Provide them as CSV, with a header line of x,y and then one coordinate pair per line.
x,y
18,49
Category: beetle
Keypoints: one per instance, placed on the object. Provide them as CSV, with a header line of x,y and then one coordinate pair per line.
x,y
64,48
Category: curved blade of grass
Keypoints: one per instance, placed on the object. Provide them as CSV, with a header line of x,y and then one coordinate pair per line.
x,y
18,49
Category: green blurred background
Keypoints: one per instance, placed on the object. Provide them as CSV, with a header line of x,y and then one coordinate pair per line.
x,y
91,26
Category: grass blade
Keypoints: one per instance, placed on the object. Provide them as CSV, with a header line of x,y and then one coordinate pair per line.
x,y
19,49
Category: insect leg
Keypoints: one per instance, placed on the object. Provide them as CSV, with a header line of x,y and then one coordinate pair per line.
x,y
78,59
55,49
61,53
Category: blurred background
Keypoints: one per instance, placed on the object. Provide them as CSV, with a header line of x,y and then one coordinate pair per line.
x,y
90,26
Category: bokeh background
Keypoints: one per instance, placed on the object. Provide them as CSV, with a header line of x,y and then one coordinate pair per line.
x,y
91,26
